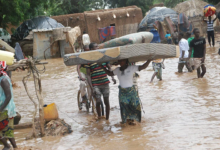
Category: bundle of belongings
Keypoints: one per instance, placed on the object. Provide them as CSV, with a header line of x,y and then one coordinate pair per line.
x,y
209,10
57,127
106,32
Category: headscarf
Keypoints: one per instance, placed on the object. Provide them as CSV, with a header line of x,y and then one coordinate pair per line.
x,y
3,68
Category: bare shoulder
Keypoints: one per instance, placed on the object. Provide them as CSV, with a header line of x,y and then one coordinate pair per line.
x,y
4,81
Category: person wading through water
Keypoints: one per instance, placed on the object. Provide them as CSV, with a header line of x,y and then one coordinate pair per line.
x,y
199,45
189,39
99,83
210,29
184,52
175,37
129,101
81,70
7,109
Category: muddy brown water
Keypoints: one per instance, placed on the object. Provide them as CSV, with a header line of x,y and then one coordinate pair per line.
x,y
181,112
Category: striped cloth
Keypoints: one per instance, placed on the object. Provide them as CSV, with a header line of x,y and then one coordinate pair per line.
x,y
210,26
98,75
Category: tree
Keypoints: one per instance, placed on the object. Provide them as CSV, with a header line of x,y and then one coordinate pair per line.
x,y
75,6
15,11
143,4
214,2
12,11
172,3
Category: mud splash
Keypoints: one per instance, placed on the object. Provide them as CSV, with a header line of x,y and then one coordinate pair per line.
x,y
181,112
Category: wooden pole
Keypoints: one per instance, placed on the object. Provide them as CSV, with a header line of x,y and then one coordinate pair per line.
x,y
30,64
38,90
25,79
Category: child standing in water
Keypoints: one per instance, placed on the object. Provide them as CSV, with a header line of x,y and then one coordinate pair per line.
x,y
157,64
168,37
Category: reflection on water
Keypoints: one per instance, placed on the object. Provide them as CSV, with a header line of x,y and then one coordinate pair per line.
x,y
181,112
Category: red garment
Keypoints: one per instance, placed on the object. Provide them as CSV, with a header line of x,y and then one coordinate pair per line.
x,y
3,68
3,124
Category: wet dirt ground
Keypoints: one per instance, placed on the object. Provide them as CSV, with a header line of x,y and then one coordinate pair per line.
x,y
181,112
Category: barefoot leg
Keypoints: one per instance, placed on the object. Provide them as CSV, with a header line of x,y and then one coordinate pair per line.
x,y
203,70
5,143
13,143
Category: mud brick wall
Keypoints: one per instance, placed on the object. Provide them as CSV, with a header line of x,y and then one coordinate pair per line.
x,y
88,21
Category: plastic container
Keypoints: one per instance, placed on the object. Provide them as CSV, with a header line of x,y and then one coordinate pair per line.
x,y
86,39
50,112
7,56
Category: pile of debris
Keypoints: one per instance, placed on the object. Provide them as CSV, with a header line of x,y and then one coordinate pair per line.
x,y
194,9
191,8
157,14
56,127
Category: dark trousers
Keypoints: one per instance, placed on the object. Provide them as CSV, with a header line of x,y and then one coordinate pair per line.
x,y
181,65
169,41
211,35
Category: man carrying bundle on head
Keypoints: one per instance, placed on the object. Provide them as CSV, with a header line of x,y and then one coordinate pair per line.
x,y
199,46
99,83
81,70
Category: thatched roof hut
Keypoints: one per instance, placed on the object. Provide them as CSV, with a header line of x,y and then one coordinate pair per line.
x,y
125,20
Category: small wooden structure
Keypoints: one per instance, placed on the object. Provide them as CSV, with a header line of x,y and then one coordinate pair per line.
x,y
50,43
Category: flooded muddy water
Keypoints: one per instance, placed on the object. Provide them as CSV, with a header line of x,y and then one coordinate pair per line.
x,y
181,112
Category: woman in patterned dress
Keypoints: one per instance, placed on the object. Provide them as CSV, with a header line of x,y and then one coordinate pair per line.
x,y
129,101
7,109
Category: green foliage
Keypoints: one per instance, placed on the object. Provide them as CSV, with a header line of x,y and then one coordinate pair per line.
x,y
214,2
61,7
16,11
143,4
3,32
172,3
12,11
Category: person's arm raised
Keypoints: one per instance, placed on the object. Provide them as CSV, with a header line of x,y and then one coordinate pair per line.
x,y
79,73
88,74
110,69
108,72
144,66
216,14
6,88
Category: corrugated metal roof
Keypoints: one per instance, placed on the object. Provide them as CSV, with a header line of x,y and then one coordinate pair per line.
x,y
46,30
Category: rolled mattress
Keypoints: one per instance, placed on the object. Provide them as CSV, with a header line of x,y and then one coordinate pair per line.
x,y
134,52
133,38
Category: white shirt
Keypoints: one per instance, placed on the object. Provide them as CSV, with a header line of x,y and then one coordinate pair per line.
x,y
126,79
184,46
86,39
